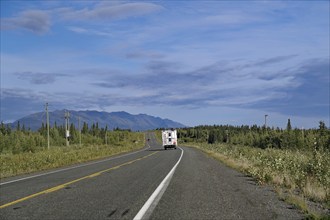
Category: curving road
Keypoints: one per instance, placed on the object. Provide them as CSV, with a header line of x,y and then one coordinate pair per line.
x,y
140,185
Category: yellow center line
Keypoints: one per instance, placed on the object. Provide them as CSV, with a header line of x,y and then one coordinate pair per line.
x,y
53,189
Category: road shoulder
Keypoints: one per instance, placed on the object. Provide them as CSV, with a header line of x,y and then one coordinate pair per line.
x,y
203,188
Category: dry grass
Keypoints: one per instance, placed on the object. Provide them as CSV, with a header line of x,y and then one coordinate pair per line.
x,y
242,165
313,191
15,164
297,201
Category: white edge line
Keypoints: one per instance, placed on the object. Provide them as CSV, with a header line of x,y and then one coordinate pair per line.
x,y
141,214
70,168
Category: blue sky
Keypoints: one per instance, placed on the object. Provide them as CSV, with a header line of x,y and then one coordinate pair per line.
x,y
195,62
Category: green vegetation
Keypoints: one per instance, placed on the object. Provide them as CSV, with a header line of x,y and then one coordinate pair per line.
x,y
158,134
25,151
261,137
296,162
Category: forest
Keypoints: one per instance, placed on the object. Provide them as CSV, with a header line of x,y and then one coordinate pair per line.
x,y
260,136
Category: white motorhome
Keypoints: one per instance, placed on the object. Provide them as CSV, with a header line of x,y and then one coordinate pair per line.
x,y
170,139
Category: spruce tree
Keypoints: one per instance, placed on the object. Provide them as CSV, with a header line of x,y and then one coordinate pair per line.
x,y
18,128
288,126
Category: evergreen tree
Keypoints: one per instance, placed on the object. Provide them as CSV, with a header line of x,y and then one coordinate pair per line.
x,y
212,137
288,126
323,138
8,129
322,128
85,128
73,133
3,128
18,128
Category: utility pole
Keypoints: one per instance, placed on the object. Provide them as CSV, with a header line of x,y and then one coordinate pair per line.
x,y
47,125
266,121
106,138
106,135
79,131
67,129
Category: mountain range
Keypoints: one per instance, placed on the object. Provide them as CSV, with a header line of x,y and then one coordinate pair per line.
x,y
122,120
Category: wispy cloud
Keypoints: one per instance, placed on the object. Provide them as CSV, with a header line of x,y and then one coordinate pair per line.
x,y
39,78
309,95
229,18
36,21
80,30
111,11
274,60
39,21
215,84
144,54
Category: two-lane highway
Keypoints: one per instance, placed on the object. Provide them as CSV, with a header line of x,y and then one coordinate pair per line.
x,y
115,188
150,183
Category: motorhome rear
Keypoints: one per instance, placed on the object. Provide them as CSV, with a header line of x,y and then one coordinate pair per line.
x,y
170,139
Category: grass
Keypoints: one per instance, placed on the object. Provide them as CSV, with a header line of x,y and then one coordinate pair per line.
x,y
304,176
158,135
15,164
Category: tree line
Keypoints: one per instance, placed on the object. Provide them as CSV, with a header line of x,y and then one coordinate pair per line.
x,y
19,139
260,136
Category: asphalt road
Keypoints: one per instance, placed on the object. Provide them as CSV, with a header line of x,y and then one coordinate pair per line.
x,y
118,187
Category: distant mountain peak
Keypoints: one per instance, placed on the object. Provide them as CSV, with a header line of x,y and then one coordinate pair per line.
x,y
119,119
